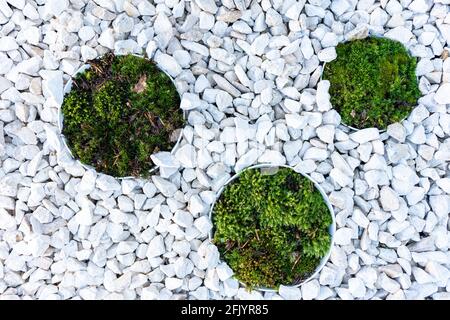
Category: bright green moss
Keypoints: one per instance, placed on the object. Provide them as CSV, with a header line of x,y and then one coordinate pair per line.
x,y
271,229
372,82
119,112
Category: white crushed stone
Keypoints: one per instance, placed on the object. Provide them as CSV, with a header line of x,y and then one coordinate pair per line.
x,y
251,87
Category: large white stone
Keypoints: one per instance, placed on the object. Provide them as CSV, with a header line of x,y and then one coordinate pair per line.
x,y
30,12
152,218
322,96
224,271
397,131
196,205
207,5
38,245
183,267
52,86
222,55
88,53
260,43
442,95
444,184
328,276
165,159
389,199
327,54
418,135
123,23
87,182
84,217
56,7
440,205
291,149
26,135
419,6
224,84
400,33
106,38
290,293
5,65
343,236
296,121
8,43
294,10
404,179
167,188
339,7
187,156
19,4
163,30
292,105
30,66
86,33
356,287
7,221
272,157
156,247
168,64
317,154
326,133
365,135
310,290
340,177
37,194
438,271
107,183
190,101
223,100
183,218
306,48
228,135
203,224
388,284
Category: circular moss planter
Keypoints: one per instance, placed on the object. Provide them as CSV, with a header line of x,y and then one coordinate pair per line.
x,y
117,112
372,82
273,226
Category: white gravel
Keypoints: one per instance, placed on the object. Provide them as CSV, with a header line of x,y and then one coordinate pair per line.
x,y
249,77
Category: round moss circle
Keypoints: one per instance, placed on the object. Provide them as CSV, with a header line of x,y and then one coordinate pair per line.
x,y
372,82
119,112
271,228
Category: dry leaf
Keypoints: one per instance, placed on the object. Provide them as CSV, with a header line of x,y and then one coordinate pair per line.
x,y
141,84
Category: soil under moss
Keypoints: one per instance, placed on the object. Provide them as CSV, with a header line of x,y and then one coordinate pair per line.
x,y
119,112
372,82
272,229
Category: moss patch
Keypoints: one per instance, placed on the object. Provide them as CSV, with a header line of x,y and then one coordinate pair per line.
x,y
271,229
372,82
119,112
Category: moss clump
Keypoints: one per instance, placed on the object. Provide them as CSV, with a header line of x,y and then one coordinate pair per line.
x,y
119,112
372,82
271,229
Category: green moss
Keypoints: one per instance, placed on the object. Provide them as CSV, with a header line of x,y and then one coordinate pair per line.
x,y
119,112
271,229
372,82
